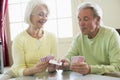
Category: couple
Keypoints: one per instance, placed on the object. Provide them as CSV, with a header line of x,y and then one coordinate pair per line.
x,y
99,44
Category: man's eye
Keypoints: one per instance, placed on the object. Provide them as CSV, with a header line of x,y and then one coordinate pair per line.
x,y
86,18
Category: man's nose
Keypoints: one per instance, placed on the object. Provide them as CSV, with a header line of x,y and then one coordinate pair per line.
x,y
81,23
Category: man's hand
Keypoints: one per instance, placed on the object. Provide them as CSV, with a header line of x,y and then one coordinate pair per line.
x,y
82,68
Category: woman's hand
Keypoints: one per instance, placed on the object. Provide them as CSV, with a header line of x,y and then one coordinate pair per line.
x,y
51,68
65,65
40,67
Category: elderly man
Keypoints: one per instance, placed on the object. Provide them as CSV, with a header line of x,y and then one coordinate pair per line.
x,y
99,44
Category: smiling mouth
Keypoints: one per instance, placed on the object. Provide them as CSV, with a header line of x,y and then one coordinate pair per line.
x,y
42,22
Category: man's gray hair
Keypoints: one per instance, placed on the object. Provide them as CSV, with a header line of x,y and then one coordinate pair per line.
x,y
96,9
32,4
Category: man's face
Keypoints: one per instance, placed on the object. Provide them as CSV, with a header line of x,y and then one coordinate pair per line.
x,y
87,22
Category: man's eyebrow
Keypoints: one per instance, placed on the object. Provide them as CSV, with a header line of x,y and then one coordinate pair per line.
x,y
85,16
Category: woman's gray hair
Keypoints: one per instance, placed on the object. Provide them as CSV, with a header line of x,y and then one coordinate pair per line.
x,y
96,9
30,8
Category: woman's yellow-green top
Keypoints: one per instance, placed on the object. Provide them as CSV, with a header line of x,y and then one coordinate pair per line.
x,y
27,51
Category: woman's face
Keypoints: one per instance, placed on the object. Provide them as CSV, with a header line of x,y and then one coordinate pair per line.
x,y
39,16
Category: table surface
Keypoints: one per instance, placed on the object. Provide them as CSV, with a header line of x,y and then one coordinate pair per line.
x,y
65,75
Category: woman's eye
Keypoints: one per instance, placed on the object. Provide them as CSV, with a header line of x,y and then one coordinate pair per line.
x,y
42,14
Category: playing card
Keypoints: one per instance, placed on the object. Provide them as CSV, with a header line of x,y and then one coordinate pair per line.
x,y
42,59
49,57
46,58
52,61
77,59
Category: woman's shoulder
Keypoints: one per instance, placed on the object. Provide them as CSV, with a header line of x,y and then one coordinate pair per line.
x,y
20,36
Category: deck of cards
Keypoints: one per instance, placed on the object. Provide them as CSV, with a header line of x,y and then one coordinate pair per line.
x,y
51,60
77,59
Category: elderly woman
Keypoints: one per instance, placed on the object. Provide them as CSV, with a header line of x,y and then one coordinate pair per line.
x,y
33,43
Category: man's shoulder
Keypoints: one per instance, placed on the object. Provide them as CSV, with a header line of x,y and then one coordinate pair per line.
x,y
78,36
108,33
108,30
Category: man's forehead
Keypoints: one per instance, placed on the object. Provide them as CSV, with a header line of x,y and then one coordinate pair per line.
x,y
85,12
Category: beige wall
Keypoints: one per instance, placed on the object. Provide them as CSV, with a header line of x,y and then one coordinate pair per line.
x,y
111,12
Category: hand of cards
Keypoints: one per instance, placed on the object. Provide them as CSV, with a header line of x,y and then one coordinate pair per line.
x,y
46,58
77,59
51,60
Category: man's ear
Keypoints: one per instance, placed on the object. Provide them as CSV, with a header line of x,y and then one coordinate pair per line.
x,y
98,20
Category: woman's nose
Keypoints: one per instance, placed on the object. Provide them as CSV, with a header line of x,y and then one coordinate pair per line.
x,y
44,17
